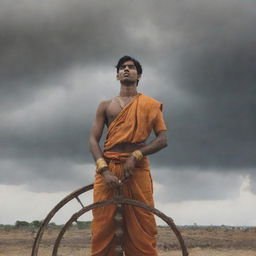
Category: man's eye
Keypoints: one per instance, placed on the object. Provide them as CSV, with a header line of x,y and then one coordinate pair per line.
x,y
129,66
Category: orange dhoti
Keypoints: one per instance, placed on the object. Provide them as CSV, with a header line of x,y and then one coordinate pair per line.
x,y
139,225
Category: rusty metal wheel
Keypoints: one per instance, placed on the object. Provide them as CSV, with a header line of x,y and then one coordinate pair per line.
x,y
75,216
64,201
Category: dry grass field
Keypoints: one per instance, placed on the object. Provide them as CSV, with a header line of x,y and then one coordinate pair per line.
x,y
200,242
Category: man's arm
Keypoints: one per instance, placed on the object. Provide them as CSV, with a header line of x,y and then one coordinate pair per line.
x,y
160,130
97,130
154,146
95,136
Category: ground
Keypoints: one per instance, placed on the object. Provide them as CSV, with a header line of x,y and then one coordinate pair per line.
x,y
200,242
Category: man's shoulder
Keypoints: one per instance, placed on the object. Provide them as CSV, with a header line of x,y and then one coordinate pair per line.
x,y
105,103
150,100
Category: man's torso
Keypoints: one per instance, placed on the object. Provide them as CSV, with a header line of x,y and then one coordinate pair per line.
x,y
112,110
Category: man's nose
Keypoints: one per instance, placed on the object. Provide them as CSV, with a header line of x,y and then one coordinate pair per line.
x,y
126,67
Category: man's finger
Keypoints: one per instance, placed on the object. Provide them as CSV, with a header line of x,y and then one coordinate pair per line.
x,y
124,180
111,184
130,172
115,185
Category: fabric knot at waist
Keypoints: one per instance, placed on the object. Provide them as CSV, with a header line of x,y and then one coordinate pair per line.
x,y
120,158
116,157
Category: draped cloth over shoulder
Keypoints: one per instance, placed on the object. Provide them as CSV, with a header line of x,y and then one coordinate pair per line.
x,y
134,125
135,122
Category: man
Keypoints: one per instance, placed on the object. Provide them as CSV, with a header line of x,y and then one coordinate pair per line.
x,y
130,118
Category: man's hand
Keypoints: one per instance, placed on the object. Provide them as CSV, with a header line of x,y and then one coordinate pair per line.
x,y
111,179
129,165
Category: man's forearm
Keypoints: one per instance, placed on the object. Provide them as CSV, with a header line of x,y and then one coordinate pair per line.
x,y
95,149
108,176
155,145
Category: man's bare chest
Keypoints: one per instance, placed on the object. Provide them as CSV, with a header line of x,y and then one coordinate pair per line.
x,y
114,108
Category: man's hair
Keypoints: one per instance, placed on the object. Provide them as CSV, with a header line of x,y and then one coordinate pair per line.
x,y
128,58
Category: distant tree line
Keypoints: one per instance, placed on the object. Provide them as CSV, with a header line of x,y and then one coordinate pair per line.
x,y
83,224
23,224
36,224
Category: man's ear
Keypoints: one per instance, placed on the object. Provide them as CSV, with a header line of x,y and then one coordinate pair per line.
x,y
139,76
117,77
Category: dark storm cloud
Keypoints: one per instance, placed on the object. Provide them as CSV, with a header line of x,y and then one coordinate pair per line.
x,y
41,40
197,57
212,61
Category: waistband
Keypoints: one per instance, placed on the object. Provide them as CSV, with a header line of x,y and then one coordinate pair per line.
x,y
119,157
116,156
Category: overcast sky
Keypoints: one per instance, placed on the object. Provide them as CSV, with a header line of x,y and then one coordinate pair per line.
x,y
57,63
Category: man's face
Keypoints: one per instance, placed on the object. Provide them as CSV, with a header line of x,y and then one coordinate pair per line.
x,y
127,73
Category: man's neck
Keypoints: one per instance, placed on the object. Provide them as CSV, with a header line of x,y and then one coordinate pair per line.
x,y
128,91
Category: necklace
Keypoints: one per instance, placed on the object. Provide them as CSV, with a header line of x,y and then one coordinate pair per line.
x,y
122,102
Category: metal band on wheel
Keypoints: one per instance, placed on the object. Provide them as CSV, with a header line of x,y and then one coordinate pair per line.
x,y
75,216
